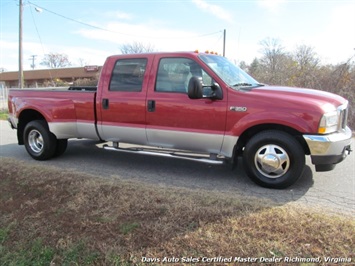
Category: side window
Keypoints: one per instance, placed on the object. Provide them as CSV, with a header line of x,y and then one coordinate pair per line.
x,y
174,74
128,75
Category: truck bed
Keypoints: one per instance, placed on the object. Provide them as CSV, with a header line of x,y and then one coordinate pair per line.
x,y
70,112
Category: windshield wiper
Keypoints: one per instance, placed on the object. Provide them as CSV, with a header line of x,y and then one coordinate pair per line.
x,y
245,84
242,84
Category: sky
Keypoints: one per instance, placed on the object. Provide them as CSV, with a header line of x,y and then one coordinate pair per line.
x,y
88,31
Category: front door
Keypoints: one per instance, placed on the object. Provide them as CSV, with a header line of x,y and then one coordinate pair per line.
x,y
176,121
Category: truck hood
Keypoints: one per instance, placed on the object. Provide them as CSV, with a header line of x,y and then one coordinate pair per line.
x,y
300,96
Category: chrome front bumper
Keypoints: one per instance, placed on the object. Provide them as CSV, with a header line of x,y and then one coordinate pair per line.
x,y
328,150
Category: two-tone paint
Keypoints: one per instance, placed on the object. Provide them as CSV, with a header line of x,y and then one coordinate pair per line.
x,y
178,122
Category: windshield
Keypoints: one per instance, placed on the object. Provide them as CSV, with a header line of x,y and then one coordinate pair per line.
x,y
228,72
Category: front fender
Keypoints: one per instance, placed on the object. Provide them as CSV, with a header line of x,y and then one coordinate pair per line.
x,y
301,122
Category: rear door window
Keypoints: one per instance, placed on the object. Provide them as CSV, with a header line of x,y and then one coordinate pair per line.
x,y
128,75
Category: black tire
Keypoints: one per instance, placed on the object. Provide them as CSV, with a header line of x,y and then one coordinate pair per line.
x,y
273,159
61,147
40,143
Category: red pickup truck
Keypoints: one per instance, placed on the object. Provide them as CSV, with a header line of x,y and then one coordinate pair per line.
x,y
191,105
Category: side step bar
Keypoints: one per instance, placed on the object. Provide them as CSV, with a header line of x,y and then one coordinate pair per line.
x,y
212,159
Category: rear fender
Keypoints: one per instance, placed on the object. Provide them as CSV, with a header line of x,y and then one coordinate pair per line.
x,y
50,110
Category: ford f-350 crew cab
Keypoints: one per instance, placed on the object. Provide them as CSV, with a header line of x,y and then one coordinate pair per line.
x,y
196,106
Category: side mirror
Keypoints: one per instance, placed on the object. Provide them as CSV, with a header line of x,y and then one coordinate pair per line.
x,y
195,89
216,92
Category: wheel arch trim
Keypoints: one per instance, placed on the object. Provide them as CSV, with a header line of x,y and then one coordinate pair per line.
x,y
247,134
24,117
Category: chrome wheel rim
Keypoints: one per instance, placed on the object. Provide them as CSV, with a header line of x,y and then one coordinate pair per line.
x,y
272,161
35,141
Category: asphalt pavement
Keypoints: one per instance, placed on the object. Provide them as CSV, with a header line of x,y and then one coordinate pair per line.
x,y
331,192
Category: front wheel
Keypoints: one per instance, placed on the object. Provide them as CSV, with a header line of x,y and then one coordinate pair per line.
x,y
274,159
40,143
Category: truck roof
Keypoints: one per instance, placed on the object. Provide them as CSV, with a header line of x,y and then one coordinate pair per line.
x,y
177,53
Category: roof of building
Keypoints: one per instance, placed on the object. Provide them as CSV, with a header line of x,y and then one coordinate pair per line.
x,y
53,73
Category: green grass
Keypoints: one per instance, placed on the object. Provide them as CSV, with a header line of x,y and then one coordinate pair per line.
x,y
127,228
3,114
33,253
4,232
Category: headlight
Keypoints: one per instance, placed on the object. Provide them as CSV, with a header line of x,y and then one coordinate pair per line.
x,y
329,123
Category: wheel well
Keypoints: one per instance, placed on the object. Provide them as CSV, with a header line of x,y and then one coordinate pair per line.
x,y
25,117
250,132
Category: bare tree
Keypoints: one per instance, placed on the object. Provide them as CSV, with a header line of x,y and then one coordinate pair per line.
x,y
255,69
306,57
274,60
56,60
136,48
306,67
243,65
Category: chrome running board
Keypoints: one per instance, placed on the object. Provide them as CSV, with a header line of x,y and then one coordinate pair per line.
x,y
212,159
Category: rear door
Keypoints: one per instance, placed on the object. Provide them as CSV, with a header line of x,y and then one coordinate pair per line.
x,y
122,106
176,121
